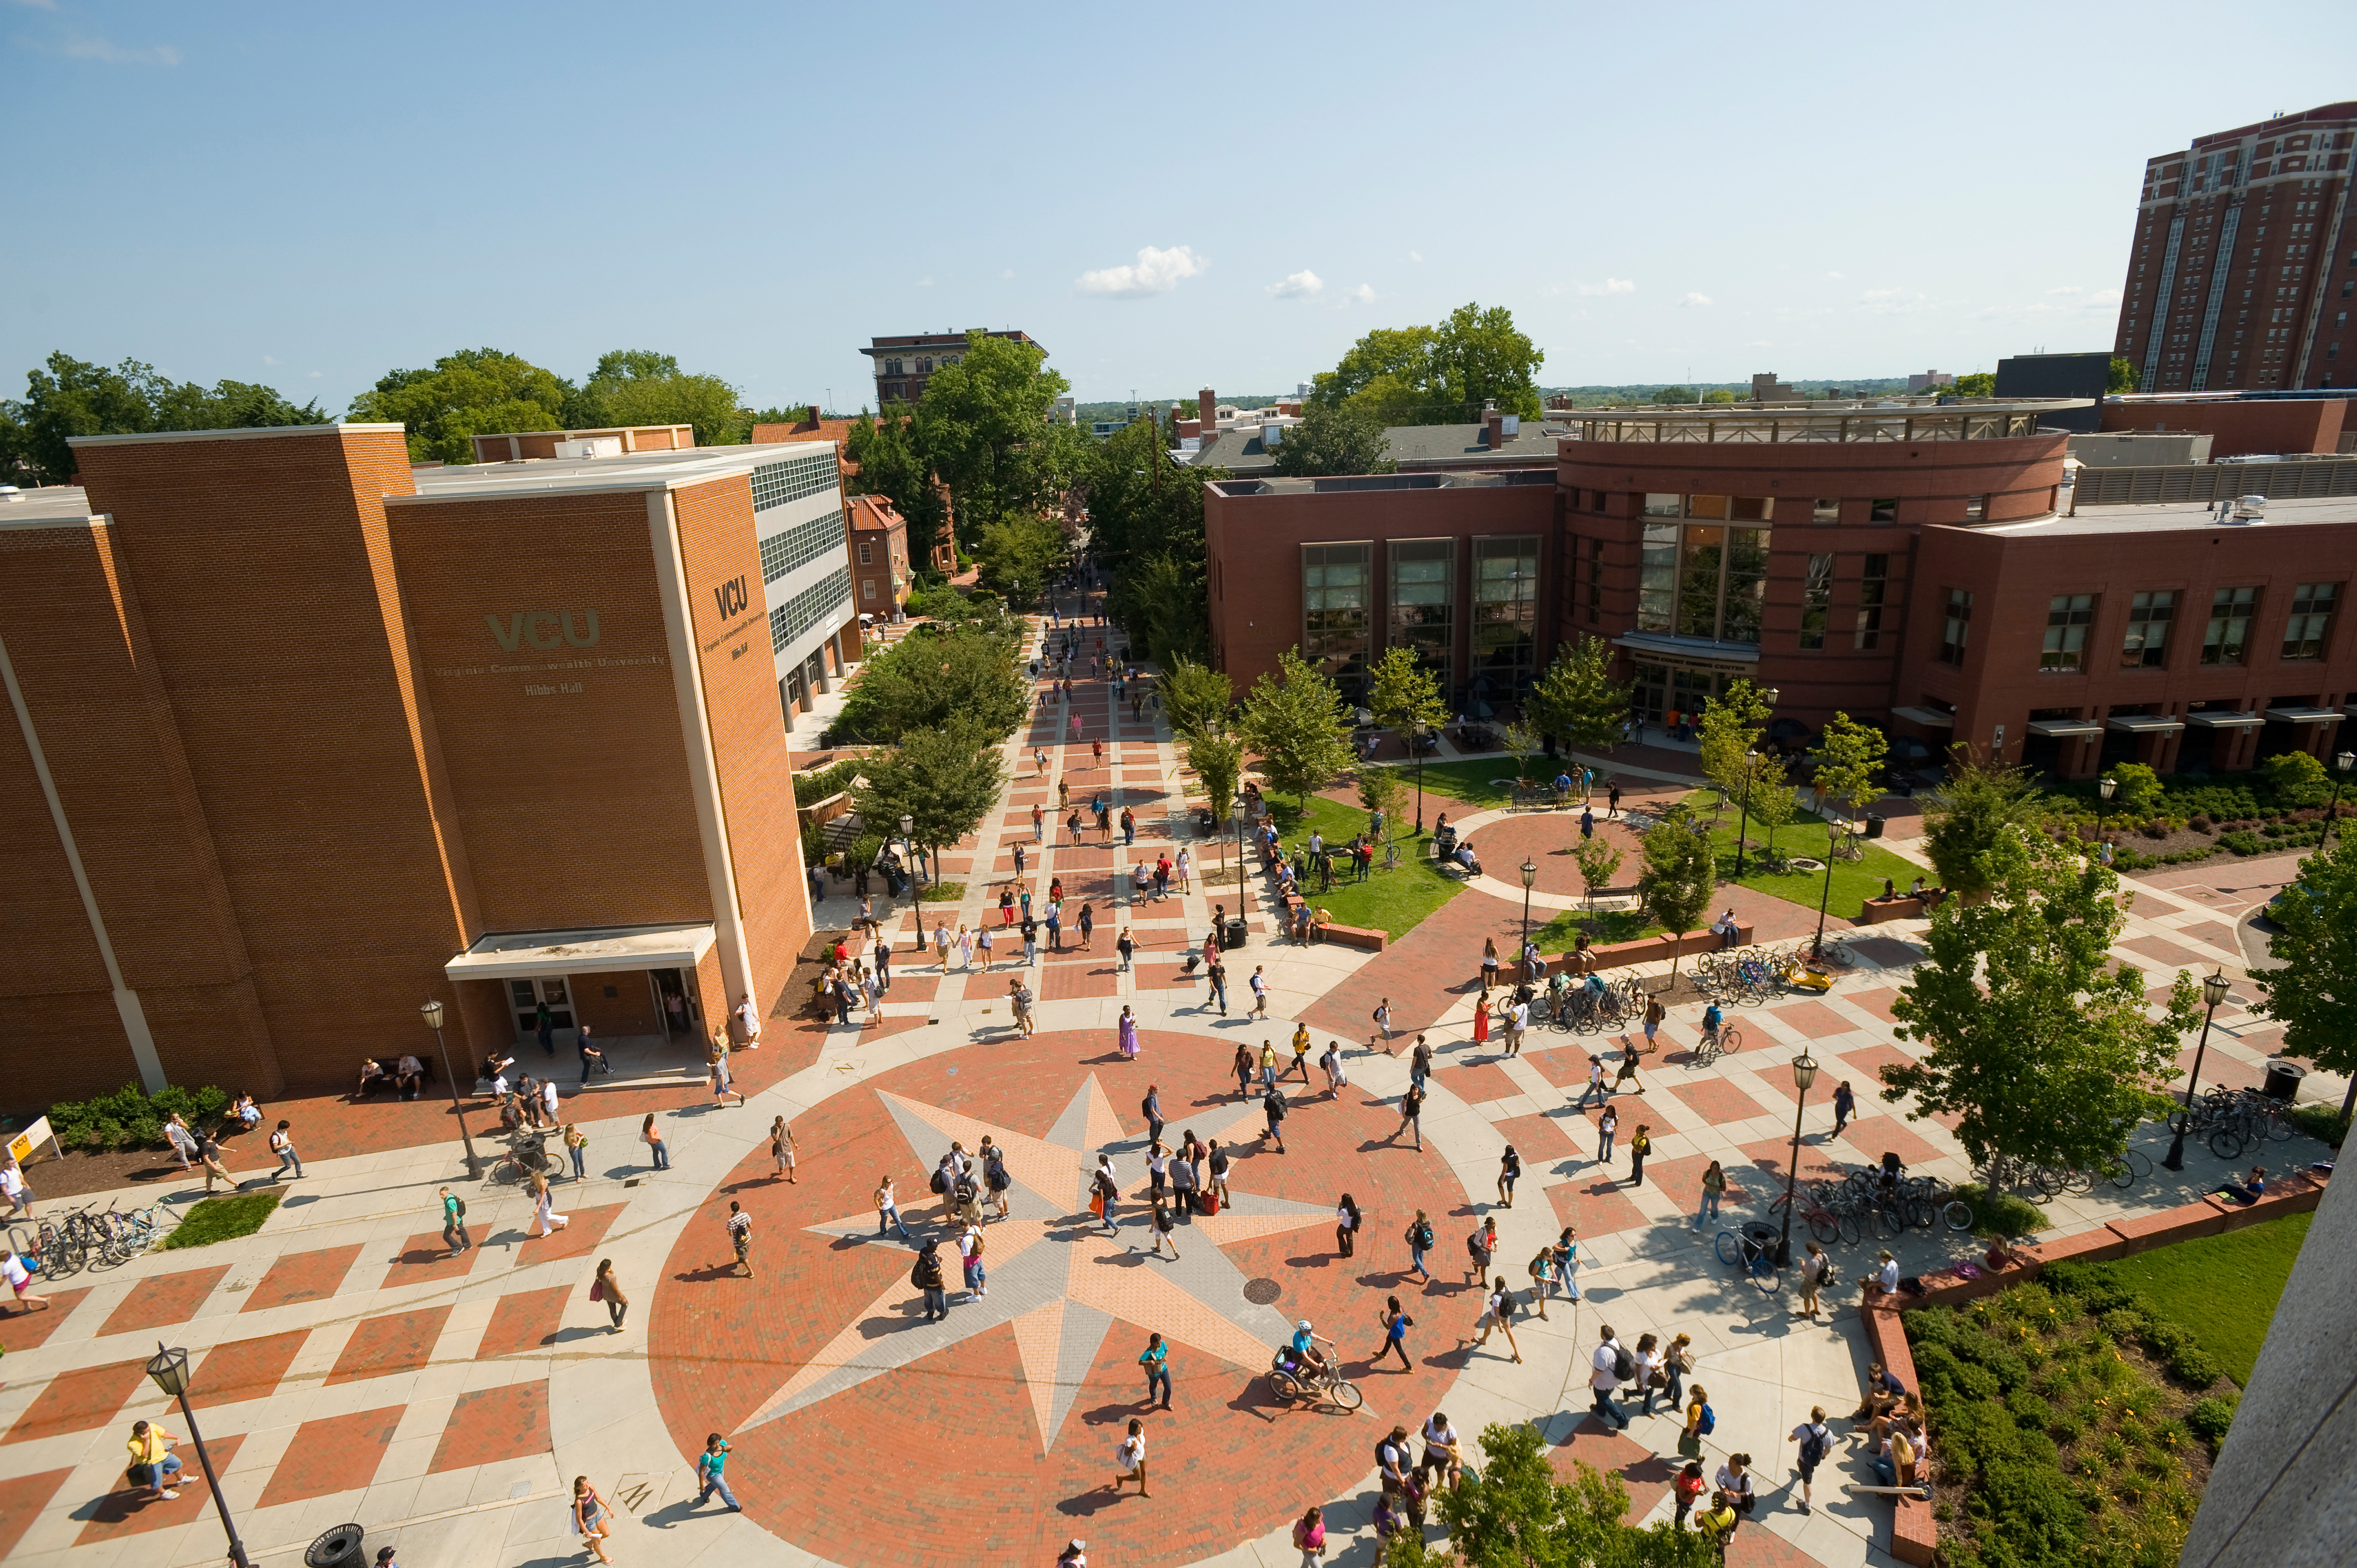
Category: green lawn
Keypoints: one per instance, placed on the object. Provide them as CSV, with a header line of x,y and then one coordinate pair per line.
x,y
222,1219
1610,926
1855,881
2223,1289
1394,901
1470,781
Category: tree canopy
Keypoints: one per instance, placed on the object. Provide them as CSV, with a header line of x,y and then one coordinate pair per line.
x,y
1402,693
68,397
1436,375
1297,723
640,386
1849,755
475,391
1197,697
1513,1512
1019,554
944,780
1732,724
891,463
923,682
1679,874
2033,1036
1346,440
1576,701
984,426
1145,527
1979,807
2314,994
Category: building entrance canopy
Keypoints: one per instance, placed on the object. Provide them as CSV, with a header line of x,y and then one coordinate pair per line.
x,y
505,955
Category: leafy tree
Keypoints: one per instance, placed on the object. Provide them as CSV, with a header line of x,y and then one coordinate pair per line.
x,y
1019,556
2297,778
984,423
1297,723
1165,607
1398,356
639,386
1402,693
1718,394
1679,875
1145,525
890,464
1217,760
1478,356
1522,741
1381,789
2036,1038
2314,994
922,682
1849,757
1514,1513
68,397
475,391
1576,701
1774,802
1731,728
946,780
1970,815
1197,696
1981,384
2121,376
1597,859
1674,395
1346,440
2137,789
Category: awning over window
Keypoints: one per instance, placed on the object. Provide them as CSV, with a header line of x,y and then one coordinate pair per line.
x,y
1930,718
2146,724
2225,719
517,955
2304,715
2064,729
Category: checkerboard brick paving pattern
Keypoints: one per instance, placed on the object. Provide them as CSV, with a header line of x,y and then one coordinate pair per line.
x,y
496,1423
302,1276
22,1329
164,1300
78,1400
22,1500
524,1320
1596,1204
1538,1139
1819,1162
1875,1001
135,1510
396,1342
1718,1102
1876,1133
580,1238
1476,1083
337,1455
1754,1547
1681,1179
1865,1066
1598,1445
243,1369
1810,1020
425,1257
1091,977
2164,952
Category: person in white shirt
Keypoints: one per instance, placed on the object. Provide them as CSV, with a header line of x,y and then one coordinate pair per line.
x,y
1604,1377
1734,1479
1516,1022
749,1017
20,1280
1131,1457
548,1098
1885,1277
1442,1455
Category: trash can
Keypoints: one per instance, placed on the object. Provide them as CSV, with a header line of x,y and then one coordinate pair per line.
x,y
337,1548
1204,820
1234,937
2283,1081
1873,825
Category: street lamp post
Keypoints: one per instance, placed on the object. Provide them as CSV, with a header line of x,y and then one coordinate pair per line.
x,y
1804,1073
1236,819
1423,732
1530,880
2105,789
1743,832
1825,899
2213,992
2341,765
170,1371
909,852
432,1013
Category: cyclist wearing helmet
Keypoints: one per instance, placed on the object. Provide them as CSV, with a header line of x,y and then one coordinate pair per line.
x,y
1305,1346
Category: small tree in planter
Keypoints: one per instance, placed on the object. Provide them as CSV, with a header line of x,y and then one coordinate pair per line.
x,y
1680,874
1598,859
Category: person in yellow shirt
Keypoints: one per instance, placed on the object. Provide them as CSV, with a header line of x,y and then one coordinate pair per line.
x,y
1716,1523
1302,1050
153,1463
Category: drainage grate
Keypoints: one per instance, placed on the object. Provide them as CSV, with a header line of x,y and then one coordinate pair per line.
x,y
1261,1291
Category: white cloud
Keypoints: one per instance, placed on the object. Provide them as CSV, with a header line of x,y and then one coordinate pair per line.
x,y
1695,299
1891,302
315,375
1297,286
2067,288
1609,286
2102,299
1156,272
924,283
1363,294
267,360
89,45
1415,255
1006,273
1835,276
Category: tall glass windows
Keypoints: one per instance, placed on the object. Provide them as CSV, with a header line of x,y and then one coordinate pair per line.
x,y
1871,588
1699,564
1423,603
1955,628
1336,611
1595,580
1747,584
2067,617
1657,577
1816,600
1506,611
2146,647
2231,612
2310,625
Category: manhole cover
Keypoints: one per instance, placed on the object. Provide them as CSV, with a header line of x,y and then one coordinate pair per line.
x,y
1260,1292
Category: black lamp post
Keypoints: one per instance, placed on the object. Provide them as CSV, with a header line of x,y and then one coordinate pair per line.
x,y
2342,764
1236,817
1422,733
2213,991
1804,1073
908,851
432,1013
170,1371
1530,880
2103,791
1825,899
1743,832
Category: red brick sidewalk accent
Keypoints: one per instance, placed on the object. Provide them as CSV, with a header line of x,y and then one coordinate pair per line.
x,y
338,1455
22,1500
397,1342
244,1369
135,1510
304,1276
494,1424
78,1400
163,1300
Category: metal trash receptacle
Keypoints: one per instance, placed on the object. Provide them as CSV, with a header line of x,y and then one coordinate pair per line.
x,y
337,1548
1874,825
2283,1081
1234,937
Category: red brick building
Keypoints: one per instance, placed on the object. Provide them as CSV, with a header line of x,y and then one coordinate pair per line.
x,y
298,737
880,579
1902,562
2242,272
2239,426
905,363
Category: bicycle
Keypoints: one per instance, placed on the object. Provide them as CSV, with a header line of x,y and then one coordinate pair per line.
x,y
527,1153
1825,1225
1324,1386
2125,1168
136,1230
1751,1249
1725,1040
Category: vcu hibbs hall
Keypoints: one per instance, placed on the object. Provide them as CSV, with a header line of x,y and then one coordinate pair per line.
x,y
1920,564
298,737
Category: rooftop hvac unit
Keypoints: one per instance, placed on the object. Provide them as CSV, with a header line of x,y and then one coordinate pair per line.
x,y
2250,509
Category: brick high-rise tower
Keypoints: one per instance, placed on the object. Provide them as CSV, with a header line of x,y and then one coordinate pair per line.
x,y
2244,264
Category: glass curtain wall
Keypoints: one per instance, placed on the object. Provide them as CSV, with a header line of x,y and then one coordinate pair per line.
x,y
1423,604
1505,612
1338,612
1707,578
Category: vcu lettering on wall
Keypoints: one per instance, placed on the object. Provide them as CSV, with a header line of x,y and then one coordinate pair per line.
x,y
731,597
544,629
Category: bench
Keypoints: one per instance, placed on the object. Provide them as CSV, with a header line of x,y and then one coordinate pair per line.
x,y
1899,907
1354,937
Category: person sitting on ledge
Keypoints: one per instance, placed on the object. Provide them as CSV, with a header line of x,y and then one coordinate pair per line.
x,y
1890,888
1465,856
372,1077
247,1113
1883,1392
1915,889
1317,925
408,1077
2246,1192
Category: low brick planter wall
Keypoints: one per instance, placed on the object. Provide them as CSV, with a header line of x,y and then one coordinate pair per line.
x,y
1650,949
1352,937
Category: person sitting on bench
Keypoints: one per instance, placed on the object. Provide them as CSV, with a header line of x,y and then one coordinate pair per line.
x,y
408,1077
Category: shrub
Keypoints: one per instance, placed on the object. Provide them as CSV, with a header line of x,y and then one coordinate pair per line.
x,y
813,845
128,1119
2297,779
2322,1122
818,783
2001,1213
2166,1339
2126,1323
2209,1419
2242,841
2194,1367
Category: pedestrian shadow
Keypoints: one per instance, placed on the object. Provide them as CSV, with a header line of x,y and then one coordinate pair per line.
x,y
708,1273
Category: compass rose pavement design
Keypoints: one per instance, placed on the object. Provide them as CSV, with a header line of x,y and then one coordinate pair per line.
x,y
1056,1275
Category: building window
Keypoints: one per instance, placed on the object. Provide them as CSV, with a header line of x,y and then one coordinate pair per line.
x,y
775,484
2231,610
1713,508
1722,583
1336,614
2146,647
892,368
867,588
1955,627
866,554
807,608
1423,603
799,545
1505,611
2068,616
1665,506
1825,511
1816,600
1870,591
1885,509
1975,508
1657,575
1595,580
2310,627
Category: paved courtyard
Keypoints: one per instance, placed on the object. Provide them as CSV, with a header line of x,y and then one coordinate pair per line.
x,y
348,1367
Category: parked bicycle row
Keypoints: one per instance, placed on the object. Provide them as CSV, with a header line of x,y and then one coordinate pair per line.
x,y
84,1238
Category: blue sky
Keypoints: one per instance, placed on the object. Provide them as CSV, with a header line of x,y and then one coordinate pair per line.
x,y
311,195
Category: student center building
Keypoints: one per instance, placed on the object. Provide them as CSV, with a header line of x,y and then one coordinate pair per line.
x,y
1920,564
298,737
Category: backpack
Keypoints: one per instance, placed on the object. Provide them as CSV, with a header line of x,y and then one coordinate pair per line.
x,y
940,1183
1814,1447
1624,1365
462,1207
1424,1236
1708,1424
1474,1245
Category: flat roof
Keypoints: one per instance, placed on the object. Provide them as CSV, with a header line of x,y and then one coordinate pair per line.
x,y
243,432
630,471
43,506
2161,517
1261,484
499,955
1924,418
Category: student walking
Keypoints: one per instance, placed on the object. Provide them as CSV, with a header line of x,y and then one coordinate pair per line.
x,y
782,1149
1301,1051
1217,973
576,1148
1155,1359
1630,1055
1395,1324
1699,1422
1127,949
606,1288
1347,1220
1509,1170
1609,1368
454,1222
209,1154
1480,1245
1606,1126
1542,1280
1498,1313
1844,1106
1639,1147
590,1517
740,1237
1411,1116
1713,1187
1383,1027
1131,1457
1419,1241
970,1248
282,1144
1088,923
1260,992
1160,1222
710,1474
1816,1441
546,1220
1030,934
1273,1105
1309,1537
1330,1063
1219,1167
927,1277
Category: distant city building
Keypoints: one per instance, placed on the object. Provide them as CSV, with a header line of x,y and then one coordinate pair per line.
x,y
2242,272
1766,388
1931,379
903,365
616,442
879,557
1065,412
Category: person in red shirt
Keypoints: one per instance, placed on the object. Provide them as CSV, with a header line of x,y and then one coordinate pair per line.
x,y
1688,1486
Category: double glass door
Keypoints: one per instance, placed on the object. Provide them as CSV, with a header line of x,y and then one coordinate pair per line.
x,y
530,995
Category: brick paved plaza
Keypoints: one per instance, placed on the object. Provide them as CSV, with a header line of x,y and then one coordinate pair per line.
x,y
346,1367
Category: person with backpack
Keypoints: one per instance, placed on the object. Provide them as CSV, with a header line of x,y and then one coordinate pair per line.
x,y
1609,1366
1734,1479
1383,1032
1542,1280
1714,1188
1498,1312
1509,1170
1816,1269
1272,1103
1478,1247
711,1474
1816,1440
927,1277
1700,1422
1419,1241
1639,1147
282,1144
454,1222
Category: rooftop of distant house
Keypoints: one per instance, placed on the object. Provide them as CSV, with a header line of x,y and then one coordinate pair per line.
x,y
945,339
